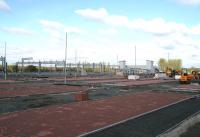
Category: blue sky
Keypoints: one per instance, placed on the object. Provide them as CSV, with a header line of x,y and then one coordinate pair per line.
x,y
101,30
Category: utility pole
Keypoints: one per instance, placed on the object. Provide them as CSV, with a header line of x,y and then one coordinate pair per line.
x,y
5,65
117,61
65,82
168,57
135,56
75,63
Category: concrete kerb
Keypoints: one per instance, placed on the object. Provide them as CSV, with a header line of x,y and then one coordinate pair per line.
x,y
131,118
181,127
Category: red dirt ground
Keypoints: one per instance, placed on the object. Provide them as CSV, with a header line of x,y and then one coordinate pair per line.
x,y
7,81
107,81
23,89
74,119
89,78
12,90
143,82
127,82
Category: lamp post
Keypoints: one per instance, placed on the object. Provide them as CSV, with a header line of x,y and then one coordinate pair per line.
x,y
65,82
5,65
135,56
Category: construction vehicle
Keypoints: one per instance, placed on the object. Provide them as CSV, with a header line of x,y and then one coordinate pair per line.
x,y
187,78
169,72
172,72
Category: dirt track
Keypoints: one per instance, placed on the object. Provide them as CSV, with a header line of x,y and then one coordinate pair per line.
x,y
12,90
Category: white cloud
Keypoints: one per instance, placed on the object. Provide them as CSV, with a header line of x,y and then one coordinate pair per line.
x,y
18,31
57,26
71,29
57,30
55,34
195,30
157,26
97,15
101,15
4,6
110,31
189,2
51,24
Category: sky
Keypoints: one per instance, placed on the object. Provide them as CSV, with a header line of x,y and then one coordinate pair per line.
x,y
101,30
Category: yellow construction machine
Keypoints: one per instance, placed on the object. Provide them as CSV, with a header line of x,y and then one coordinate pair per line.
x,y
188,77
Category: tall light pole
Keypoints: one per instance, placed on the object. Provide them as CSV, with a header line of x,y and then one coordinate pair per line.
x,y
65,82
117,62
75,63
135,56
5,65
168,56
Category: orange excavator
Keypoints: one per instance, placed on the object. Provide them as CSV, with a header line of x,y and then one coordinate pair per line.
x,y
187,78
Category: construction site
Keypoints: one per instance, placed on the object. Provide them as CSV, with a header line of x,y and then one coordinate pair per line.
x,y
99,68
109,101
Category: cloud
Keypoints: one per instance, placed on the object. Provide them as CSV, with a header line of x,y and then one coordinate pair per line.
x,y
169,47
195,30
4,6
110,31
189,2
195,56
156,26
18,31
102,15
71,29
96,15
57,26
51,24
177,40
57,30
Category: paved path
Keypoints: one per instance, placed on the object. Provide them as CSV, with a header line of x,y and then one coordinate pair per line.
x,y
152,124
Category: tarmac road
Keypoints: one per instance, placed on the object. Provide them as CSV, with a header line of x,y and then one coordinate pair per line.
x,y
152,124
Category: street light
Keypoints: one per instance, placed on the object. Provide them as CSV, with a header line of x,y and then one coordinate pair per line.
x,y
65,82
5,69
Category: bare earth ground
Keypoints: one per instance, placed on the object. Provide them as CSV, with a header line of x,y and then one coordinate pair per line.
x,y
143,82
89,78
23,89
12,90
70,120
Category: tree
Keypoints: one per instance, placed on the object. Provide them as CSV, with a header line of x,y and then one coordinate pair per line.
x,y
162,64
174,64
31,68
193,69
15,68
